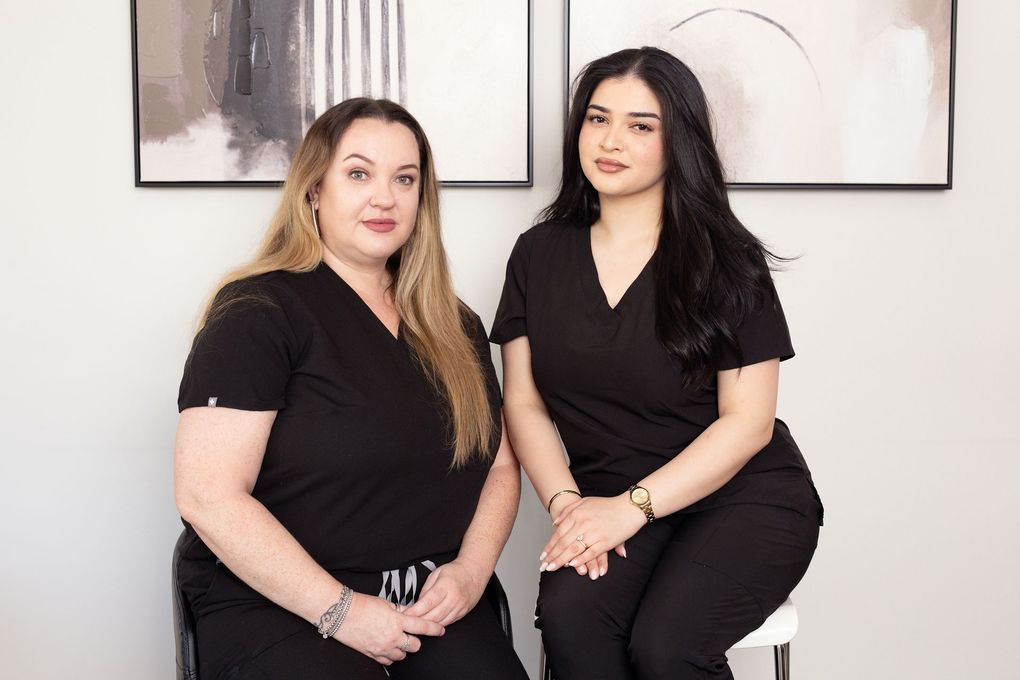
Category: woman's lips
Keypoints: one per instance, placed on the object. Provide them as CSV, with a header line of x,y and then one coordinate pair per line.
x,y
381,225
609,165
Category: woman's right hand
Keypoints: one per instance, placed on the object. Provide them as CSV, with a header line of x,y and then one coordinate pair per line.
x,y
375,628
594,568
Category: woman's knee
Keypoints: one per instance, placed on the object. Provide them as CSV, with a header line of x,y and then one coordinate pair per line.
x,y
657,653
563,603
571,609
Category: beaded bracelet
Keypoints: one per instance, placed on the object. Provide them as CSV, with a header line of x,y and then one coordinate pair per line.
x,y
332,618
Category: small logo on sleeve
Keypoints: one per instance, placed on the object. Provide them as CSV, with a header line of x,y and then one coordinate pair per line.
x,y
212,401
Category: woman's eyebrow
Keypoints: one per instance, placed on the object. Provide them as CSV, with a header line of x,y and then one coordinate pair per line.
x,y
632,114
409,166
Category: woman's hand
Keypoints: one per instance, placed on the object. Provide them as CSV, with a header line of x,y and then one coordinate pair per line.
x,y
601,524
450,592
595,568
376,629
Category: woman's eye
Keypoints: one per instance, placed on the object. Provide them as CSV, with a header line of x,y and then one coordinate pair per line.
x,y
358,175
641,127
406,180
595,118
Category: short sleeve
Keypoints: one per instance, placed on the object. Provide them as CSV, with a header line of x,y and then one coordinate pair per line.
x,y
511,317
242,358
761,335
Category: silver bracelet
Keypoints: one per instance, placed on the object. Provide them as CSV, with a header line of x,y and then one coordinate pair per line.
x,y
332,618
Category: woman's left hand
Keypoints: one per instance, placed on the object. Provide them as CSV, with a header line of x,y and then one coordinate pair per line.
x,y
450,592
590,528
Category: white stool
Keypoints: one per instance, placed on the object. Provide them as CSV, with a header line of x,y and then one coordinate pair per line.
x,y
776,632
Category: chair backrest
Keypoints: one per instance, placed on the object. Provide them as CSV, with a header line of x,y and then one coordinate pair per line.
x,y
496,596
184,619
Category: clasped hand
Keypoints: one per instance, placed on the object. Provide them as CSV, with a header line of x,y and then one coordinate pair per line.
x,y
586,530
379,629
450,592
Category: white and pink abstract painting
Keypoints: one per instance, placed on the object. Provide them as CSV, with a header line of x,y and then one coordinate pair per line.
x,y
803,93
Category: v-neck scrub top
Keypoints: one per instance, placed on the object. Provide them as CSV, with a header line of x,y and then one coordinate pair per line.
x,y
357,465
612,389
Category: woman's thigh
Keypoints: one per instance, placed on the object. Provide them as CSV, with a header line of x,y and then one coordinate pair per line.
x,y
586,624
309,656
265,642
722,574
474,647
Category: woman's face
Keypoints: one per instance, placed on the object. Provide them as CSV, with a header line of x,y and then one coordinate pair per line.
x,y
621,143
368,198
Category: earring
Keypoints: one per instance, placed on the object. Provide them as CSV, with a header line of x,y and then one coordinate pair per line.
x,y
315,219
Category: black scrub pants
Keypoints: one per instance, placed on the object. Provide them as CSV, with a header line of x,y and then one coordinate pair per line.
x,y
692,586
260,641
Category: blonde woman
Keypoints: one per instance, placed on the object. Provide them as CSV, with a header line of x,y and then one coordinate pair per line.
x,y
340,463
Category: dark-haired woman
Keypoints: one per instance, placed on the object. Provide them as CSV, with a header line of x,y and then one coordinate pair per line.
x,y
339,458
639,322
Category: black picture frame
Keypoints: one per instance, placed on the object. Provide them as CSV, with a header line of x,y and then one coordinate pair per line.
x,y
569,74
140,179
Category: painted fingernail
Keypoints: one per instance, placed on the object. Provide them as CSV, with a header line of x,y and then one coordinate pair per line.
x,y
544,567
542,556
551,567
572,563
602,571
582,570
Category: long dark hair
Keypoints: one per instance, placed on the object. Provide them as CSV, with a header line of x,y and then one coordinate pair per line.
x,y
709,270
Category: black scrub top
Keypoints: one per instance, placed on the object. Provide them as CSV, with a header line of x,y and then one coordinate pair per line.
x,y
357,465
613,390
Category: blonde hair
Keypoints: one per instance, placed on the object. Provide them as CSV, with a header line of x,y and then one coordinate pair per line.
x,y
434,319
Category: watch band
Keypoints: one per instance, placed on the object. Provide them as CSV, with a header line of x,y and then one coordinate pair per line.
x,y
646,506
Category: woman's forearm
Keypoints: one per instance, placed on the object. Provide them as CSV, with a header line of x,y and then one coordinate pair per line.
x,y
493,519
253,544
538,448
747,415
706,464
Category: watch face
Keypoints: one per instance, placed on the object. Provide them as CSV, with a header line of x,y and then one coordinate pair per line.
x,y
639,496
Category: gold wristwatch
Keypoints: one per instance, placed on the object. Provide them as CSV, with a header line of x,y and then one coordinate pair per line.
x,y
640,497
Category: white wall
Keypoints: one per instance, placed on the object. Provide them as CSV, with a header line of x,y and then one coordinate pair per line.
x,y
903,396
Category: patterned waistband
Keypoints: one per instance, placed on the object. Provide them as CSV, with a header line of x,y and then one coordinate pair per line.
x,y
401,586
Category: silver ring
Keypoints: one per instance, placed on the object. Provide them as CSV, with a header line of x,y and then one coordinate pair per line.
x,y
580,539
406,647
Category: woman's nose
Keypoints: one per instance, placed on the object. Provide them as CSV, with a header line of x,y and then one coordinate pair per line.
x,y
609,140
382,194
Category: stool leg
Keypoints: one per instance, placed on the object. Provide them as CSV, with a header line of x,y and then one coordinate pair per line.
x,y
544,663
781,654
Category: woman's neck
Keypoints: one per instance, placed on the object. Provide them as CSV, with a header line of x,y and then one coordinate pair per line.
x,y
634,218
370,280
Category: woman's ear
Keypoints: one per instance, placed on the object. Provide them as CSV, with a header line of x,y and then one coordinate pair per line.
x,y
313,196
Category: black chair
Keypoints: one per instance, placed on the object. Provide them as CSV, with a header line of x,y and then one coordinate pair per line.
x,y
184,620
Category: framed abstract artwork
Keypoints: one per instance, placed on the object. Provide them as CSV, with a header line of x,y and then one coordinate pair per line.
x,y
224,90
855,94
